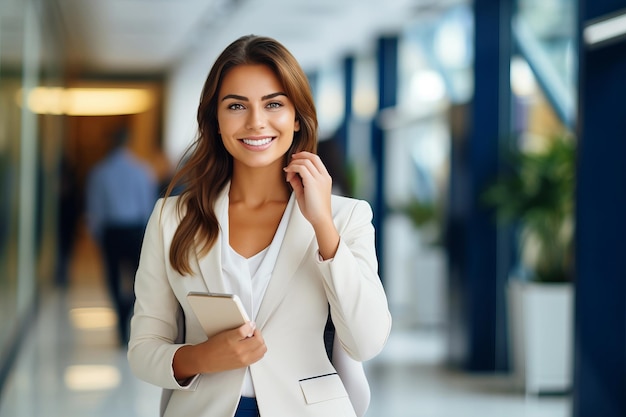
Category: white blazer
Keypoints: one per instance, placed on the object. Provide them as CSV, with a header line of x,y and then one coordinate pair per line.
x,y
295,377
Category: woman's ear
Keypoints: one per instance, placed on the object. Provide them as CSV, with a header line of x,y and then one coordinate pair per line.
x,y
296,126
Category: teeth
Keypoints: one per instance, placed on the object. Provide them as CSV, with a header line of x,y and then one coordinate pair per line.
x,y
259,142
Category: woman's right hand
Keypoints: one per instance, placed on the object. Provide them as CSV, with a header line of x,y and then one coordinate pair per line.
x,y
230,349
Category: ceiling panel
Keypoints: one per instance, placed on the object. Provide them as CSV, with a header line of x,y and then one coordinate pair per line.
x,y
147,36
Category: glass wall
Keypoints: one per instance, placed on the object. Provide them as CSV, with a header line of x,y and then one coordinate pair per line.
x,y
434,73
544,32
364,110
30,56
543,91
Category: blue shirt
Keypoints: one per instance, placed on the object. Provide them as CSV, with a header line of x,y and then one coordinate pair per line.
x,y
121,191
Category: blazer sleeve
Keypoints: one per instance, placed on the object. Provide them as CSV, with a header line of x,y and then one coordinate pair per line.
x,y
155,322
358,303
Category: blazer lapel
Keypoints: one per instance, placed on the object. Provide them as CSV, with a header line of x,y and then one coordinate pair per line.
x,y
298,238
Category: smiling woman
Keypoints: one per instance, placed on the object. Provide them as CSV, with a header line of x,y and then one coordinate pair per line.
x,y
256,218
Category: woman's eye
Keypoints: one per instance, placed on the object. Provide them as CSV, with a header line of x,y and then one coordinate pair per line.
x,y
235,106
274,105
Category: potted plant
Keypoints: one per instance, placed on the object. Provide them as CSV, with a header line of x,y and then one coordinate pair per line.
x,y
421,298
426,217
536,196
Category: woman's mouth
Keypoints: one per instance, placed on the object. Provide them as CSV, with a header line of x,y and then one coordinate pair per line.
x,y
257,142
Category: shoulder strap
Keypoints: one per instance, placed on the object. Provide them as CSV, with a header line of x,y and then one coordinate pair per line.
x,y
329,336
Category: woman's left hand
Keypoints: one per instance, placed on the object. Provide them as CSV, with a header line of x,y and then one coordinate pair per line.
x,y
312,184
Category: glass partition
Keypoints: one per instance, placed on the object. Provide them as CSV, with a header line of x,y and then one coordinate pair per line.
x,y
30,56
435,60
545,34
11,80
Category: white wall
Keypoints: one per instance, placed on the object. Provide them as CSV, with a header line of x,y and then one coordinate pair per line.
x,y
182,96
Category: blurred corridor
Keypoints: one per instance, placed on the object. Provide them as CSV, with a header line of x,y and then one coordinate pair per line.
x,y
487,136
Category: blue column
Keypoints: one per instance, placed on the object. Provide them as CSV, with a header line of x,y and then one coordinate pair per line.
x,y
600,300
348,92
387,61
477,334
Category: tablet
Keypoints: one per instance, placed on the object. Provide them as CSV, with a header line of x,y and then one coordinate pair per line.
x,y
217,312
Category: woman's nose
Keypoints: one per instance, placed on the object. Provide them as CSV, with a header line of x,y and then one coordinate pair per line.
x,y
256,119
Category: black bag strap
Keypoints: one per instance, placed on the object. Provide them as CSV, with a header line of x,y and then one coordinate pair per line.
x,y
329,336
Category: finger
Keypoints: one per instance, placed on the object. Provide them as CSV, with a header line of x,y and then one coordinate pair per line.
x,y
311,161
256,349
294,180
315,160
253,342
304,167
252,329
258,342
246,330
258,336
302,154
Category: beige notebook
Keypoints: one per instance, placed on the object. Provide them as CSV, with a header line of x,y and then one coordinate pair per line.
x,y
217,312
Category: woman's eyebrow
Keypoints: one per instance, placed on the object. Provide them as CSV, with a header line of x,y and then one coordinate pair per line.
x,y
242,98
234,97
270,96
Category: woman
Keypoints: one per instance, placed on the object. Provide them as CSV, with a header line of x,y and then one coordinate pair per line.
x,y
257,219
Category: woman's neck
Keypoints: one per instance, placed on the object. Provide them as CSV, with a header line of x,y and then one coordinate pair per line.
x,y
258,186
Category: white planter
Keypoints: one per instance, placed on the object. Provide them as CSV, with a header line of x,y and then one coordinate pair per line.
x,y
541,330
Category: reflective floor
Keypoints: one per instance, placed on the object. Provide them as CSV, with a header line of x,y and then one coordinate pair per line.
x,y
71,365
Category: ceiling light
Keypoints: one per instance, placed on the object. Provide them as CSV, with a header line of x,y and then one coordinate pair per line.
x,y
87,101
606,29
92,377
523,81
427,86
106,101
93,318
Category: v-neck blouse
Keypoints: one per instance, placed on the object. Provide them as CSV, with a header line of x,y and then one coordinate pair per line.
x,y
249,277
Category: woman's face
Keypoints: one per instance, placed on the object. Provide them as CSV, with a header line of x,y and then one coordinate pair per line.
x,y
256,119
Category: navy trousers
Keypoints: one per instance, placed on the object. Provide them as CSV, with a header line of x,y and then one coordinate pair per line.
x,y
247,408
122,247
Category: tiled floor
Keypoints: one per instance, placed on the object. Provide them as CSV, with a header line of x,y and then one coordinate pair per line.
x,y
71,366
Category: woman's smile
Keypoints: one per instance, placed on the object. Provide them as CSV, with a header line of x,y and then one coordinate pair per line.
x,y
258,143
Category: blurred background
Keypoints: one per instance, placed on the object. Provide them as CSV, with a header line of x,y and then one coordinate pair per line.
x,y
488,136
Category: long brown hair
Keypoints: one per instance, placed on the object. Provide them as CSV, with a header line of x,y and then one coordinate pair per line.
x,y
208,167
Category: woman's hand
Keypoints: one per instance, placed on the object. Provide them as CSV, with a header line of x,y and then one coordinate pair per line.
x,y
312,184
230,349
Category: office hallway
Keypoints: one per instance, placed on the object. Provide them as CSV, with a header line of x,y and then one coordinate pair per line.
x,y
71,365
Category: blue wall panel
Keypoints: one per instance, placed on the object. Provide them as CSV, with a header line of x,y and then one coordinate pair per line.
x,y
387,62
600,307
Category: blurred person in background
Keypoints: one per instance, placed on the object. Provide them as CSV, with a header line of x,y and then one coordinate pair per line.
x,y
257,218
121,192
70,211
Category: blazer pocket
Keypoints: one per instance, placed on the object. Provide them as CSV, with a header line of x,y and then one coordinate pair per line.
x,y
322,388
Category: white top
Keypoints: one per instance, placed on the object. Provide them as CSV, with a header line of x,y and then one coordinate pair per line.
x,y
249,277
